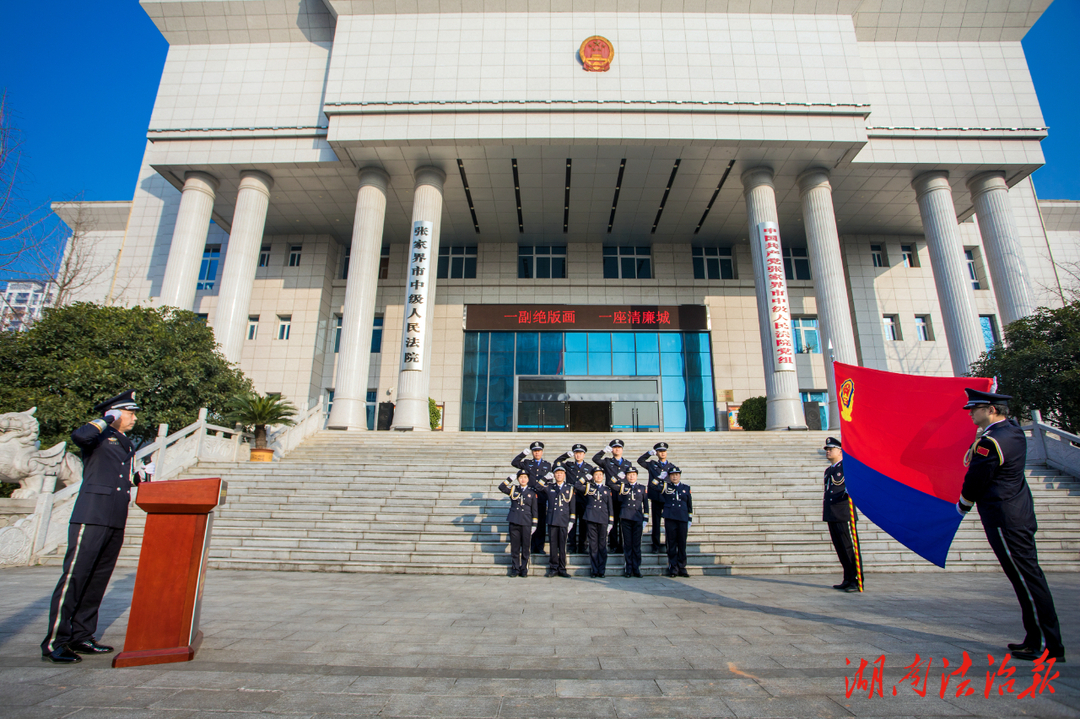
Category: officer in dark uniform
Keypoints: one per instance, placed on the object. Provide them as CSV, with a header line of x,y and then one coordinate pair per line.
x,y
839,512
599,519
678,516
523,518
656,463
96,531
633,515
560,517
537,468
612,469
995,482
578,471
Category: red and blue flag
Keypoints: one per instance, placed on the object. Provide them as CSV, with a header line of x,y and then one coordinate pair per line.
x,y
904,439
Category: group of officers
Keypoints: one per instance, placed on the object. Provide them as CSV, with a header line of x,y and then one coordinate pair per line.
x,y
576,506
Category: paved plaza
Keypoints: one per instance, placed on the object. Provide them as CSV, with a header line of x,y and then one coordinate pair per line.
x,y
320,645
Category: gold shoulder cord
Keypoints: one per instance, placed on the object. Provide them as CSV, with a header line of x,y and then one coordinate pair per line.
x,y
514,497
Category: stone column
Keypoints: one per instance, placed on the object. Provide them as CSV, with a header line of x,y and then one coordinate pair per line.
x,y
1001,242
830,284
784,408
954,292
354,353
241,261
188,240
411,410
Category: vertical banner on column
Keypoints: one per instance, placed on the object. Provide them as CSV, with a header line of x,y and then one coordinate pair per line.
x,y
783,345
417,305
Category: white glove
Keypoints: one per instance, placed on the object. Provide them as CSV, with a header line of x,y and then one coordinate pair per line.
x,y
689,523
533,529
549,475
645,522
663,475
112,415
961,511
609,528
609,448
527,451
150,468
652,452
621,475
570,528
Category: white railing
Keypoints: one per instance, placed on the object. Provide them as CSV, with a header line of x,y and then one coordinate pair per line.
x,y
1052,446
46,529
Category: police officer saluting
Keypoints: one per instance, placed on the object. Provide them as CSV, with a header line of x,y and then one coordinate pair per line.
x,y
839,512
537,468
560,503
678,516
633,515
598,520
995,482
615,470
656,463
96,531
578,471
523,518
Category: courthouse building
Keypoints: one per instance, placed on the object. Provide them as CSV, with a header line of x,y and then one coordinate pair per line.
x,y
623,215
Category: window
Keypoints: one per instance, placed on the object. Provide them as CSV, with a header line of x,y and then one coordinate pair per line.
x,y
345,264
253,327
922,328
628,263
329,400
371,406
294,255
891,324
284,326
713,263
908,256
337,333
973,271
208,269
542,261
877,254
22,298
202,318
796,264
457,262
376,334
264,256
807,339
989,330
384,262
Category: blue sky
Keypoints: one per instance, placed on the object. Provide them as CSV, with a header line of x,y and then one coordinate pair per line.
x,y
82,80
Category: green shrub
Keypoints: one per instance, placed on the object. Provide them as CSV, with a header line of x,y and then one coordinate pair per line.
x,y
434,416
752,414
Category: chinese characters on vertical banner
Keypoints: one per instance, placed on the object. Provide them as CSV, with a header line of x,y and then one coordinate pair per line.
x,y
417,305
776,295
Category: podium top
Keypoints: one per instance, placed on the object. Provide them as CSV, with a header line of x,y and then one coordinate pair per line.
x,y
181,496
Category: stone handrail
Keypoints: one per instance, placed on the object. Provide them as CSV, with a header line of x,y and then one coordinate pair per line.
x,y
1052,446
286,439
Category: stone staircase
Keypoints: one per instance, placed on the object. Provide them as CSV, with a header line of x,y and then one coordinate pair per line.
x,y
429,504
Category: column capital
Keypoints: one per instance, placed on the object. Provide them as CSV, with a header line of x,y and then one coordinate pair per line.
x,y
930,181
256,180
374,177
987,181
813,178
201,181
756,177
429,175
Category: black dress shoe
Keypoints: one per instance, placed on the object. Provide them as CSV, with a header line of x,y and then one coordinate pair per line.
x,y
853,587
61,655
90,646
683,573
841,586
637,574
564,575
549,574
600,575
672,574
524,573
627,574
1021,647
1032,654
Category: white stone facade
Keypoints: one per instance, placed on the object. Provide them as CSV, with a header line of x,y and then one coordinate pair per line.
x,y
307,99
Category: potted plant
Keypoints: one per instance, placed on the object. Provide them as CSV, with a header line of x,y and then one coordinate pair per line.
x,y
255,412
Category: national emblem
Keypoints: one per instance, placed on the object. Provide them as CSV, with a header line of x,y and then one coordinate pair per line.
x,y
847,397
596,54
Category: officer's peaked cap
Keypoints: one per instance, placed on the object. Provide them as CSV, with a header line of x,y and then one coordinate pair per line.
x,y
559,468
124,400
631,468
831,442
976,398
616,443
580,448
598,469
523,471
536,445
674,470
660,446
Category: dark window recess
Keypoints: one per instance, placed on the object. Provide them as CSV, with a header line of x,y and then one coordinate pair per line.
x,y
542,261
796,263
457,262
384,263
627,262
713,263
376,336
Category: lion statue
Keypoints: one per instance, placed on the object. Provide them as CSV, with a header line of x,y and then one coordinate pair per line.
x,y
23,462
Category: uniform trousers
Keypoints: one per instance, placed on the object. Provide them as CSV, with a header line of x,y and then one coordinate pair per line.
x,y
1015,550
845,539
88,565
519,547
576,538
656,510
631,542
541,509
615,538
676,531
596,535
557,548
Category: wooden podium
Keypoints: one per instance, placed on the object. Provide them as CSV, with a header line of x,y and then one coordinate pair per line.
x,y
164,623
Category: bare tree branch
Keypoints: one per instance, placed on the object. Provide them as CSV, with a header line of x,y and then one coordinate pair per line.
x,y
18,222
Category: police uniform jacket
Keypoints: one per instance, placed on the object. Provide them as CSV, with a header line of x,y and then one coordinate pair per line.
x,y
836,508
655,468
522,503
677,501
108,474
537,470
634,501
575,472
597,502
560,502
995,478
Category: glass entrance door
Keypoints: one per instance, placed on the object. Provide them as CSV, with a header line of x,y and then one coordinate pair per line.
x,y
548,416
635,416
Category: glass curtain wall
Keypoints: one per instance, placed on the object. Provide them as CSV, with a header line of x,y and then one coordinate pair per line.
x,y
682,361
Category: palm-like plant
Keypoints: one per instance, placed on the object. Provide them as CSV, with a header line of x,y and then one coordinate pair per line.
x,y
255,411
